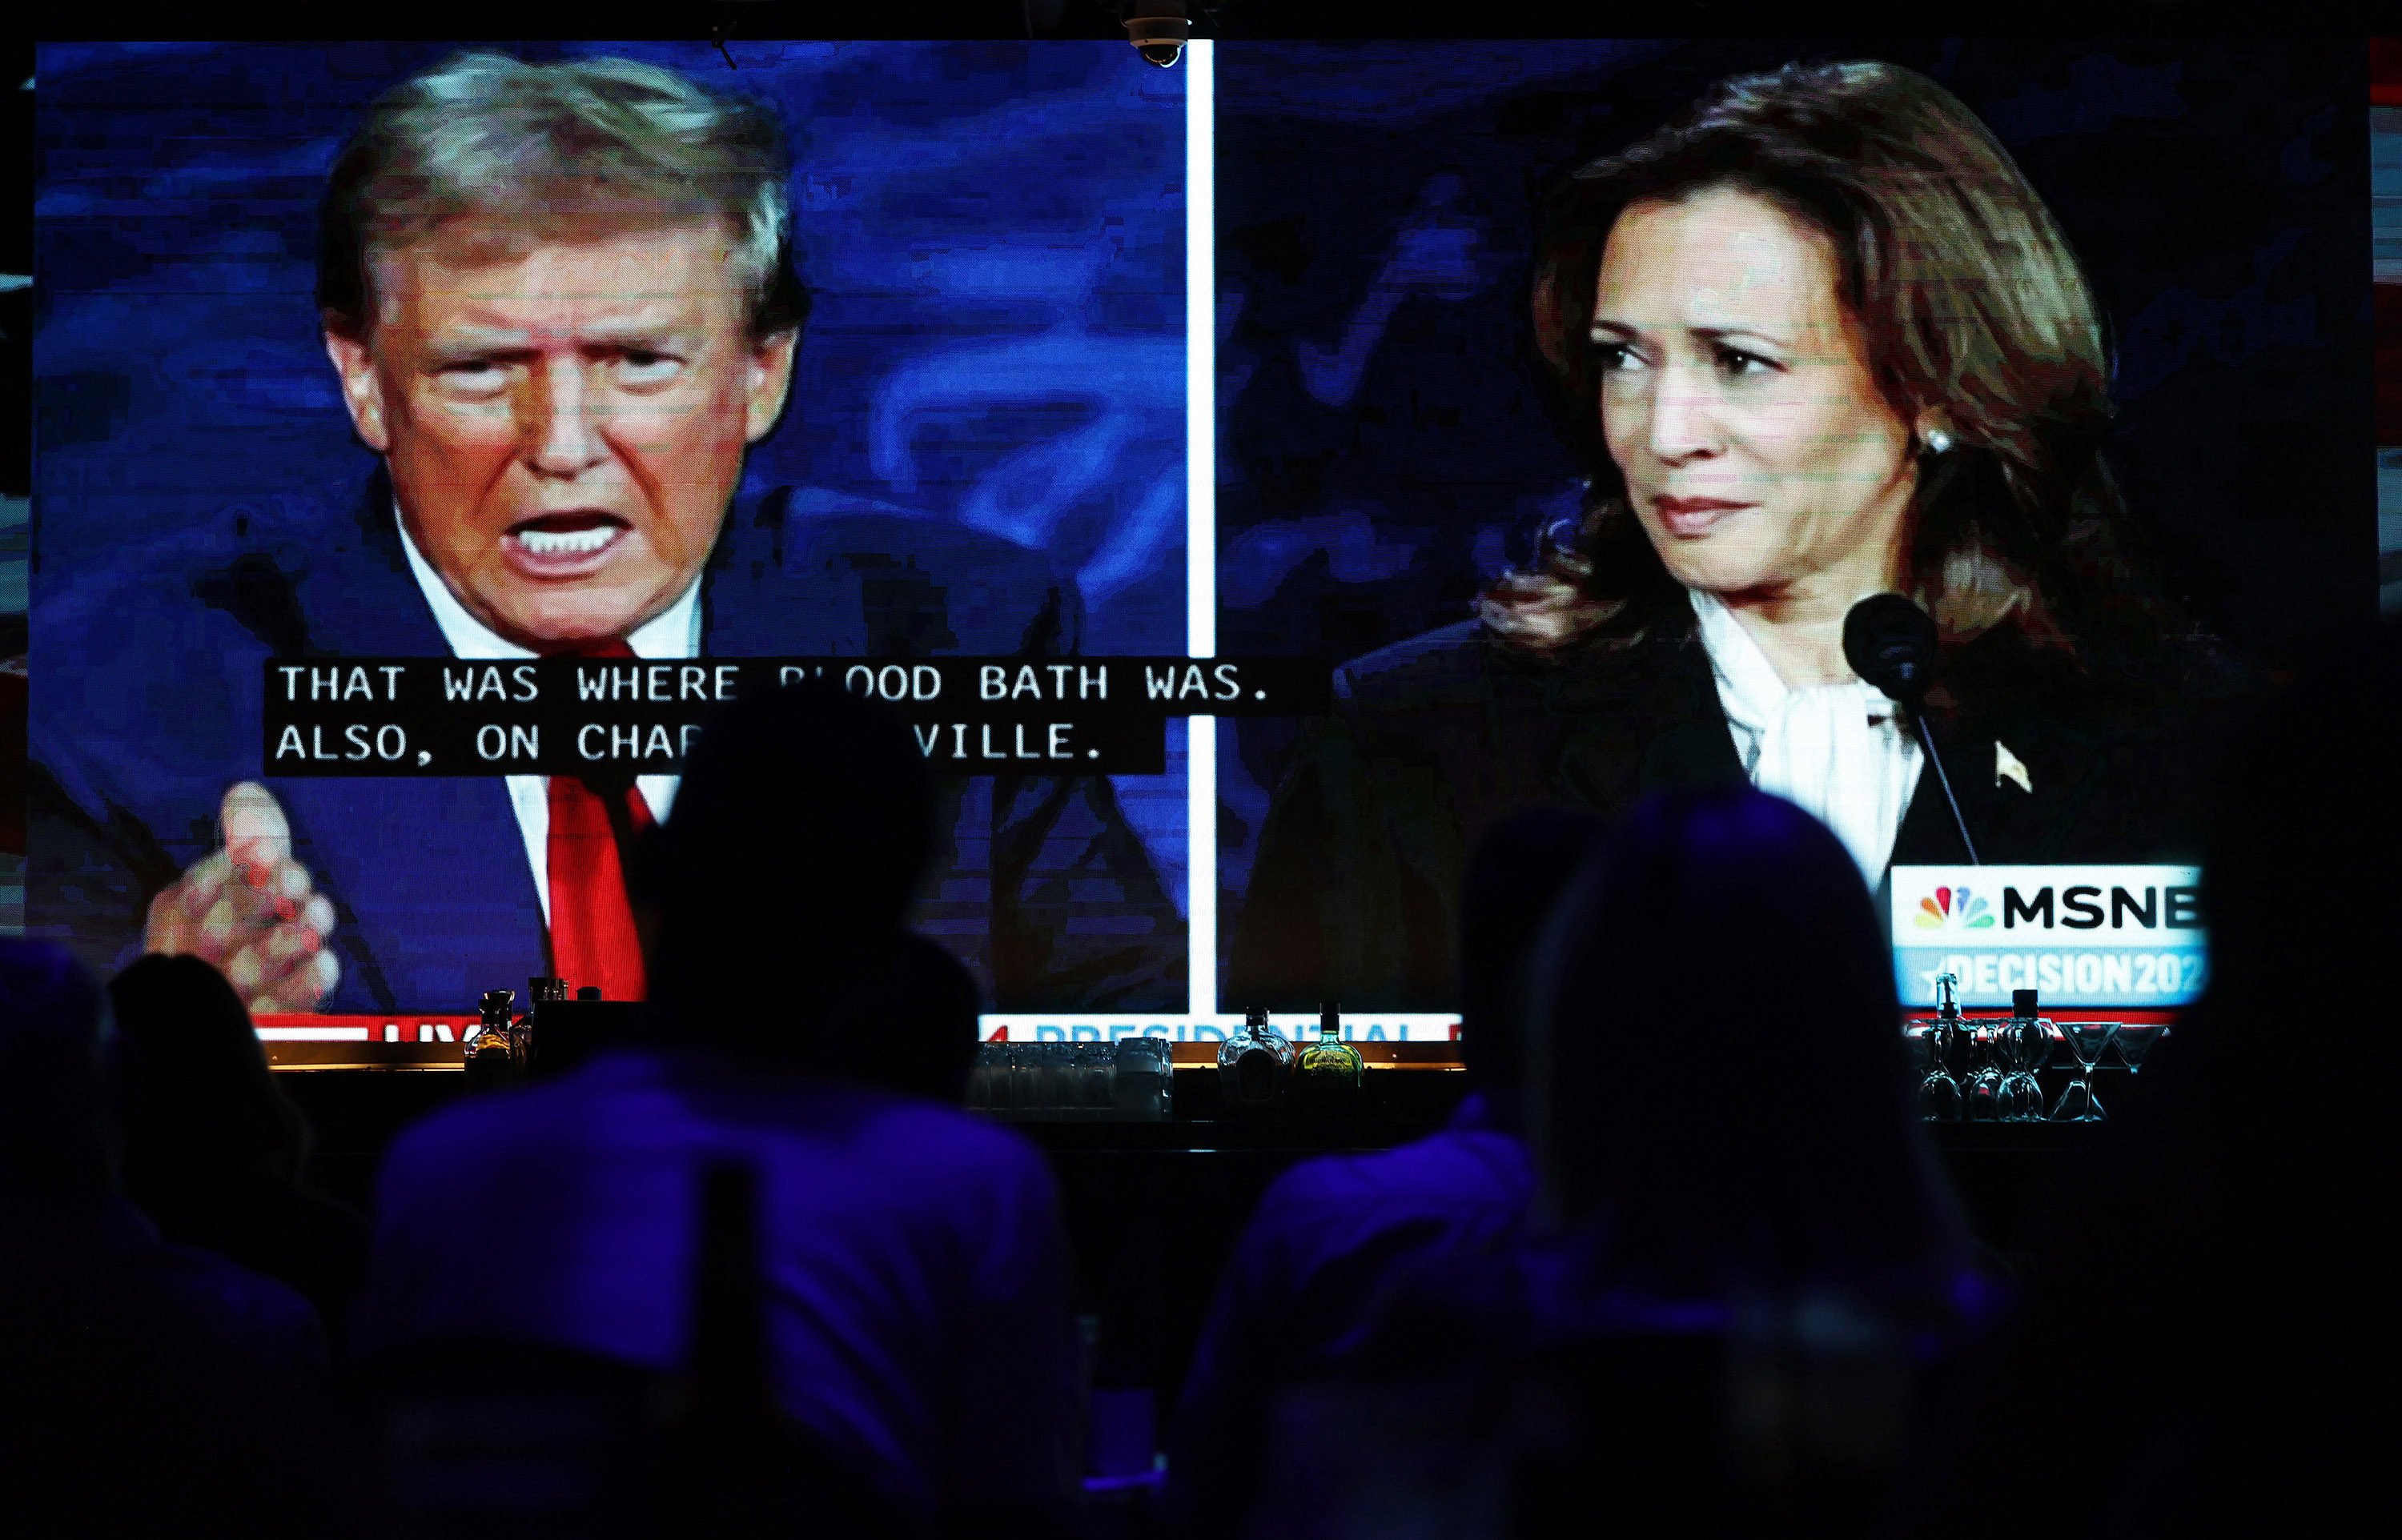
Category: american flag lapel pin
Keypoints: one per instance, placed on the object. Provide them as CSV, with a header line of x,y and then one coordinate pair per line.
x,y
2008,766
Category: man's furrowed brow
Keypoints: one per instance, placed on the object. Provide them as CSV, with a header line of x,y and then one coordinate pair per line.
x,y
635,332
472,339
632,332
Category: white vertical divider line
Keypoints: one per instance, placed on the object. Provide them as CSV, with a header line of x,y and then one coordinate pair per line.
x,y
1201,518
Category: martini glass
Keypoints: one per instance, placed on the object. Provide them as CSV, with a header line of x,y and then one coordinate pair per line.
x,y
2087,1041
2135,1039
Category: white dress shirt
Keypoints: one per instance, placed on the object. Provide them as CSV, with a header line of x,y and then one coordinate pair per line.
x,y
1837,751
673,633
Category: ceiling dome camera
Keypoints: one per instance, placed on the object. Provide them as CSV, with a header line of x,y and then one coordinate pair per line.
x,y
1159,38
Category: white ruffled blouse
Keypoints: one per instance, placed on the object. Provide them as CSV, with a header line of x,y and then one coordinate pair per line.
x,y
1837,751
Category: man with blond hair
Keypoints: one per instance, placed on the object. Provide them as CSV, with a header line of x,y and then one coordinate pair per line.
x,y
560,302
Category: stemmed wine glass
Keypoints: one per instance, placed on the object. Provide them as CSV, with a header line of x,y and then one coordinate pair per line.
x,y
2135,1039
2040,1046
1938,1093
2014,1093
2088,1042
1984,1088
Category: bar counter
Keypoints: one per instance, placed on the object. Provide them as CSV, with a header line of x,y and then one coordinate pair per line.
x,y
1155,1208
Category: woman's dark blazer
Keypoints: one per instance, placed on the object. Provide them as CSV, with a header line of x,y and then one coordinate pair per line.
x,y
1354,898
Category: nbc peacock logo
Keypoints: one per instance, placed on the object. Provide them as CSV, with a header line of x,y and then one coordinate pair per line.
x,y
1953,909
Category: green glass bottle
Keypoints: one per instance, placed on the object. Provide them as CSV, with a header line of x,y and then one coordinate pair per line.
x,y
1330,1069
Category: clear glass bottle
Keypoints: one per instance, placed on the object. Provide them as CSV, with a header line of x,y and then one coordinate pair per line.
x,y
1331,1068
1255,1064
2027,1044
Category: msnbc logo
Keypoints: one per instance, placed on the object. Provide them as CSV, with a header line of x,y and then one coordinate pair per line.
x,y
1954,909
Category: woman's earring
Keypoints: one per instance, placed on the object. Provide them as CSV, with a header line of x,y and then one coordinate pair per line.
x,y
1938,441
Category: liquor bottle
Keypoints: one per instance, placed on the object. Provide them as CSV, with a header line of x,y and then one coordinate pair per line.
x,y
2026,1044
1331,1068
2032,1031
491,1050
1255,1064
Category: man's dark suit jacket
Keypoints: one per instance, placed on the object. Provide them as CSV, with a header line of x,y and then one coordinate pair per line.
x,y
1355,894
150,702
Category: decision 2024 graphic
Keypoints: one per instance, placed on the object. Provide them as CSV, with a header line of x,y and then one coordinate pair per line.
x,y
2098,936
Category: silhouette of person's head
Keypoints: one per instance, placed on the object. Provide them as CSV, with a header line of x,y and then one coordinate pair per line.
x,y
55,1132
194,1091
1719,1089
800,834
1517,874
147,1389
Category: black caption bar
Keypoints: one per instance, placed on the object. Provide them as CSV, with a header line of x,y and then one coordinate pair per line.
x,y
612,717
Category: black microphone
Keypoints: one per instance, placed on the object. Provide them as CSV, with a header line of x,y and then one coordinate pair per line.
x,y
1891,643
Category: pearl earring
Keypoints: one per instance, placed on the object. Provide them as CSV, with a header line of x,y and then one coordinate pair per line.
x,y
1938,441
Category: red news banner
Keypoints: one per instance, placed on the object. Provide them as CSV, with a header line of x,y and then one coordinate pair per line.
x,y
417,1040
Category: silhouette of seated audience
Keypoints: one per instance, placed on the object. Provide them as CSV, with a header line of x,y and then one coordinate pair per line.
x,y
1744,1277
215,1153
146,1388
1757,1279
911,1257
1332,1234
2207,1317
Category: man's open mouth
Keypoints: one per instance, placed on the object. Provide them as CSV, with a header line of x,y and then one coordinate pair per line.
x,y
566,540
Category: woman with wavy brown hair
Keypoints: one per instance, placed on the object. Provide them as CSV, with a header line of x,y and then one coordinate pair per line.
x,y
1816,339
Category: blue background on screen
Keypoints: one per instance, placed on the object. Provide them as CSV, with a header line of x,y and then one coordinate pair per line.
x,y
992,232
1384,448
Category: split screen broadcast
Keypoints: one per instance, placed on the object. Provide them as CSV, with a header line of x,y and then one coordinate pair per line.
x,y
1250,480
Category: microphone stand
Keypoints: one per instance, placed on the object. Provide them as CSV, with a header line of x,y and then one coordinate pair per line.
x,y
1925,731
1893,645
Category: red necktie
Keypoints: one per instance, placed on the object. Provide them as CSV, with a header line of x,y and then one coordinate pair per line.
x,y
592,937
